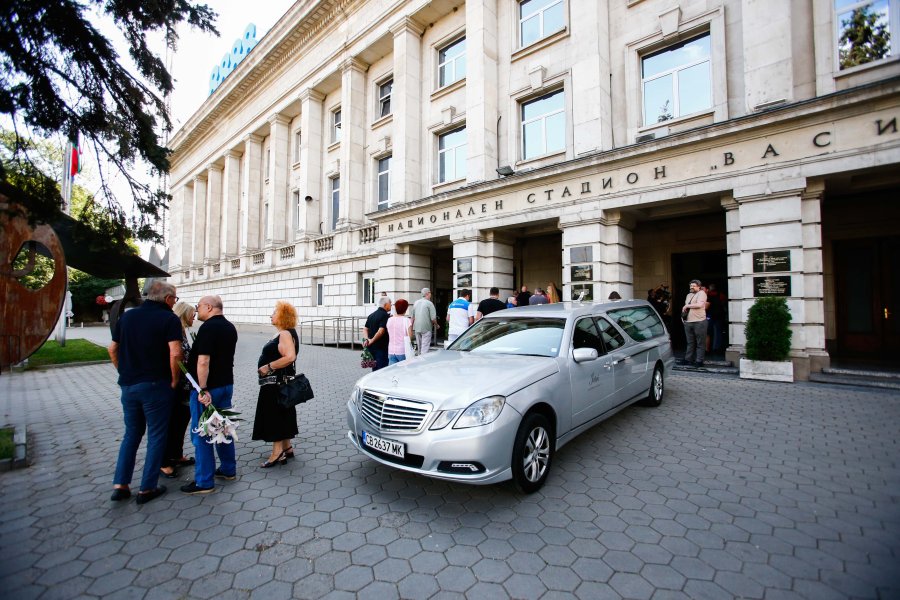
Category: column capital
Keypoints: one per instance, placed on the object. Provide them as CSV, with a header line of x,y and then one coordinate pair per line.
x,y
354,64
618,218
199,177
252,137
215,168
815,190
407,24
729,203
310,94
233,153
278,119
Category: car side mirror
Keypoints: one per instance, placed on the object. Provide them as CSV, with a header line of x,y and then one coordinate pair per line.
x,y
581,355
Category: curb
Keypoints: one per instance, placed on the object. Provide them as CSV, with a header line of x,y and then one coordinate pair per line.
x,y
20,451
71,364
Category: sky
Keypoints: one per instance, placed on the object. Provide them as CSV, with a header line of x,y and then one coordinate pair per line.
x,y
198,52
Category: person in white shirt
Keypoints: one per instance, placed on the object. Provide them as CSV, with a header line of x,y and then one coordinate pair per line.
x,y
458,315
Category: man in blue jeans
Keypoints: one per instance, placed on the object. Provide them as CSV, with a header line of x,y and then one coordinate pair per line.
x,y
211,364
145,349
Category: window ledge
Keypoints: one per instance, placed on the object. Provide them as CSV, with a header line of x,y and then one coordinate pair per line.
x,y
333,146
447,89
679,121
875,64
448,186
539,44
382,121
540,159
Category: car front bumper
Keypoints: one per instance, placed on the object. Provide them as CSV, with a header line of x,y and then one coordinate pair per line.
x,y
430,452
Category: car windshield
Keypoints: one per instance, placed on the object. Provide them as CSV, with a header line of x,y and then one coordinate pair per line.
x,y
525,336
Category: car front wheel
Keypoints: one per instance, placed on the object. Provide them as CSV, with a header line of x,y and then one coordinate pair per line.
x,y
532,453
657,388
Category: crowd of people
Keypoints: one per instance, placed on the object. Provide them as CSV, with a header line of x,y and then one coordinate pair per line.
x,y
168,377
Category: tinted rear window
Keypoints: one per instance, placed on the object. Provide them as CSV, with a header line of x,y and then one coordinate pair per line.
x,y
639,322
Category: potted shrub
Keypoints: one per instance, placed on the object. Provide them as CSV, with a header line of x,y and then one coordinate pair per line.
x,y
768,345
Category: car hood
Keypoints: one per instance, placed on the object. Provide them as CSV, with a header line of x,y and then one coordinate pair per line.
x,y
451,379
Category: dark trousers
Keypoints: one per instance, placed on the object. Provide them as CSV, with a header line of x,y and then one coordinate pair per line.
x,y
695,332
145,406
178,424
381,357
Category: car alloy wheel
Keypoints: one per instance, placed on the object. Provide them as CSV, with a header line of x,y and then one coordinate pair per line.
x,y
532,453
657,388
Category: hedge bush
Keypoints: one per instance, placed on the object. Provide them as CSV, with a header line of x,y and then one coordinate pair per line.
x,y
768,330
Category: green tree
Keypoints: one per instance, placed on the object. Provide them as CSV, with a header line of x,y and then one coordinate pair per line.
x,y
85,289
60,75
768,330
863,38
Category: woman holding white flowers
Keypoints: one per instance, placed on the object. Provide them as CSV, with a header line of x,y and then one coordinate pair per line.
x,y
181,401
275,423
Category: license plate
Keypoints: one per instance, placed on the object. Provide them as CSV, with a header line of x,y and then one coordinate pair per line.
x,y
391,447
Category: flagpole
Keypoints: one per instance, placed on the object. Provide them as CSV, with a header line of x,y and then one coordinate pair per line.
x,y
67,182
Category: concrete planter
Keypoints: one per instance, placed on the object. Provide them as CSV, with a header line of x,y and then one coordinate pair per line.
x,y
767,370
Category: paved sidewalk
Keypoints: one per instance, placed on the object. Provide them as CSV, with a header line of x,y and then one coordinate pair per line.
x,y
730,489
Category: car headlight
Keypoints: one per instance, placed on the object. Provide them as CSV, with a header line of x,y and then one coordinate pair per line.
x,y
356,397
444,418
481,412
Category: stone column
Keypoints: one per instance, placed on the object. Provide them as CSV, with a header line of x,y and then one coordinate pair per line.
x,y
251,193
492,263
777,220
213,212
311,123
179,230
768,56
403,273
813,276
279,147
231,204
406,100
583,232
482,107
198,234
352,153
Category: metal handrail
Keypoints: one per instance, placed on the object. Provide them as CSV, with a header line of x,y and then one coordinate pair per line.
x,y
344,330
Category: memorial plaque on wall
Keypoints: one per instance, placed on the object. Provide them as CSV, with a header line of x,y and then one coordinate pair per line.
x,y
582,272
464,281
588,292
775,285
581,254
463,265
772,262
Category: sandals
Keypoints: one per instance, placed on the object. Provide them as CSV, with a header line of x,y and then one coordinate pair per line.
x,y
289,452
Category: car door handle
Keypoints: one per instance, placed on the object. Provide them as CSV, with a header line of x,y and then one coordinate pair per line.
x,y
615,362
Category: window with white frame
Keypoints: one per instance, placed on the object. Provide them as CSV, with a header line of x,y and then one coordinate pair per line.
x,y
544,125
335,201
863,30
295,197
367,288
297,139
336,125
384,97
452,62
452,155
677,81
318,289
539,18
384,182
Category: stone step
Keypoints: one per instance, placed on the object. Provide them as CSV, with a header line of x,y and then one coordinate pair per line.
x,y
720,367
880,375
888,383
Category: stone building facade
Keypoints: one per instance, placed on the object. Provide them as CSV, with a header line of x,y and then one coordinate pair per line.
x,y
373,146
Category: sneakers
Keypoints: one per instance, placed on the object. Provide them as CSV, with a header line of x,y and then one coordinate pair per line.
x,y
221,475
192,488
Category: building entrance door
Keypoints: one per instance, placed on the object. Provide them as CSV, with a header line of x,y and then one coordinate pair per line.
x,y
868,298
709,267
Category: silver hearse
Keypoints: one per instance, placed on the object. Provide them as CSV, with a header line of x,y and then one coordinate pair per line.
x,y
509,392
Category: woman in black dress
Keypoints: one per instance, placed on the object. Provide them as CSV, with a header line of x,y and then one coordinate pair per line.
x,y
273,422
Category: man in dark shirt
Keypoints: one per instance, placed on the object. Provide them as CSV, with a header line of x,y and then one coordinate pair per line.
x,y
489,305
375,335
145,349
211,364
523,297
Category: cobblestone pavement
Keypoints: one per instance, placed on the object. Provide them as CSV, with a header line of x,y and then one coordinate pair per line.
x,y
730,489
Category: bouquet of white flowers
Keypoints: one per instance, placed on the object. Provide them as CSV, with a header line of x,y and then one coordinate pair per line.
x,y
219,425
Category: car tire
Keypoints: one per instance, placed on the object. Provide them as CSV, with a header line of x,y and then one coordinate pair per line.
x,y
657,388
532,453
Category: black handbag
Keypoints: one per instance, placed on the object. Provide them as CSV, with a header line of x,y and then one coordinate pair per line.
x,y
295,390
